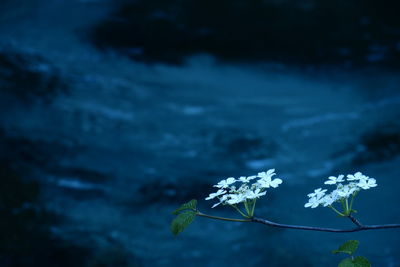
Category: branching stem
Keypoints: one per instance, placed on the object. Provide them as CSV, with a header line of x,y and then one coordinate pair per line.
x,y
238,210
335,210
253,207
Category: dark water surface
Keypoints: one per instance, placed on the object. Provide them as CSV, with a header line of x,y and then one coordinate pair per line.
x,y
97,150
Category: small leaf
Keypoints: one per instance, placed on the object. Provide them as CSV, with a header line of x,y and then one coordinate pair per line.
x,y
191,205
356,262
346,263
182,221
349,247
361,262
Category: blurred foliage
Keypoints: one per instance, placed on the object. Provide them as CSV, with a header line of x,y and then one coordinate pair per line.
x,y
310,31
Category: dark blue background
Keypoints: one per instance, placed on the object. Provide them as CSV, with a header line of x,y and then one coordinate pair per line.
x,y
113,113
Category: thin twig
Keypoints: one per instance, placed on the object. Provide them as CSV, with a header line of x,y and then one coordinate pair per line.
x,y
359,227
354,220
323,229
222,218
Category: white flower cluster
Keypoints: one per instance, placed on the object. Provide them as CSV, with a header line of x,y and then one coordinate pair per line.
x,y
230,193
356,182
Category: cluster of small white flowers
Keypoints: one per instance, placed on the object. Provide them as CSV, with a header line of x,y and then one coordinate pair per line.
x,y
230,193
356,182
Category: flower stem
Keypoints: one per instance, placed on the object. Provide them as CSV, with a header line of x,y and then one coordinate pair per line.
x,y
335,210
351,202
343,204
347,207
238,210
246,206
253,207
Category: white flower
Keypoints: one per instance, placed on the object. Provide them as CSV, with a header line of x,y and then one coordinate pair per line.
x,y
232,189
267,182
355,177
313,202
316,198
235,199
356,182
268,174
334,194
213,206
255,194
221,200
318,193
230,194
225,183
367,183
214,195
335,180
328,200
242,189
276,182
245,179
346,191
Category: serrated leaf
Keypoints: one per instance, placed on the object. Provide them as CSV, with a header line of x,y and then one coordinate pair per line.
x,y
191,205
182,221
356,262
348,247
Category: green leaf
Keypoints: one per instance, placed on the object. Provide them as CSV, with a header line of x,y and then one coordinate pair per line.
x,y
191,205
356,262
182,221
349,247
361,262
346,263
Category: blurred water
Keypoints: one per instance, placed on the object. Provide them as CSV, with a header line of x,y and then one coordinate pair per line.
x,y
128,142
